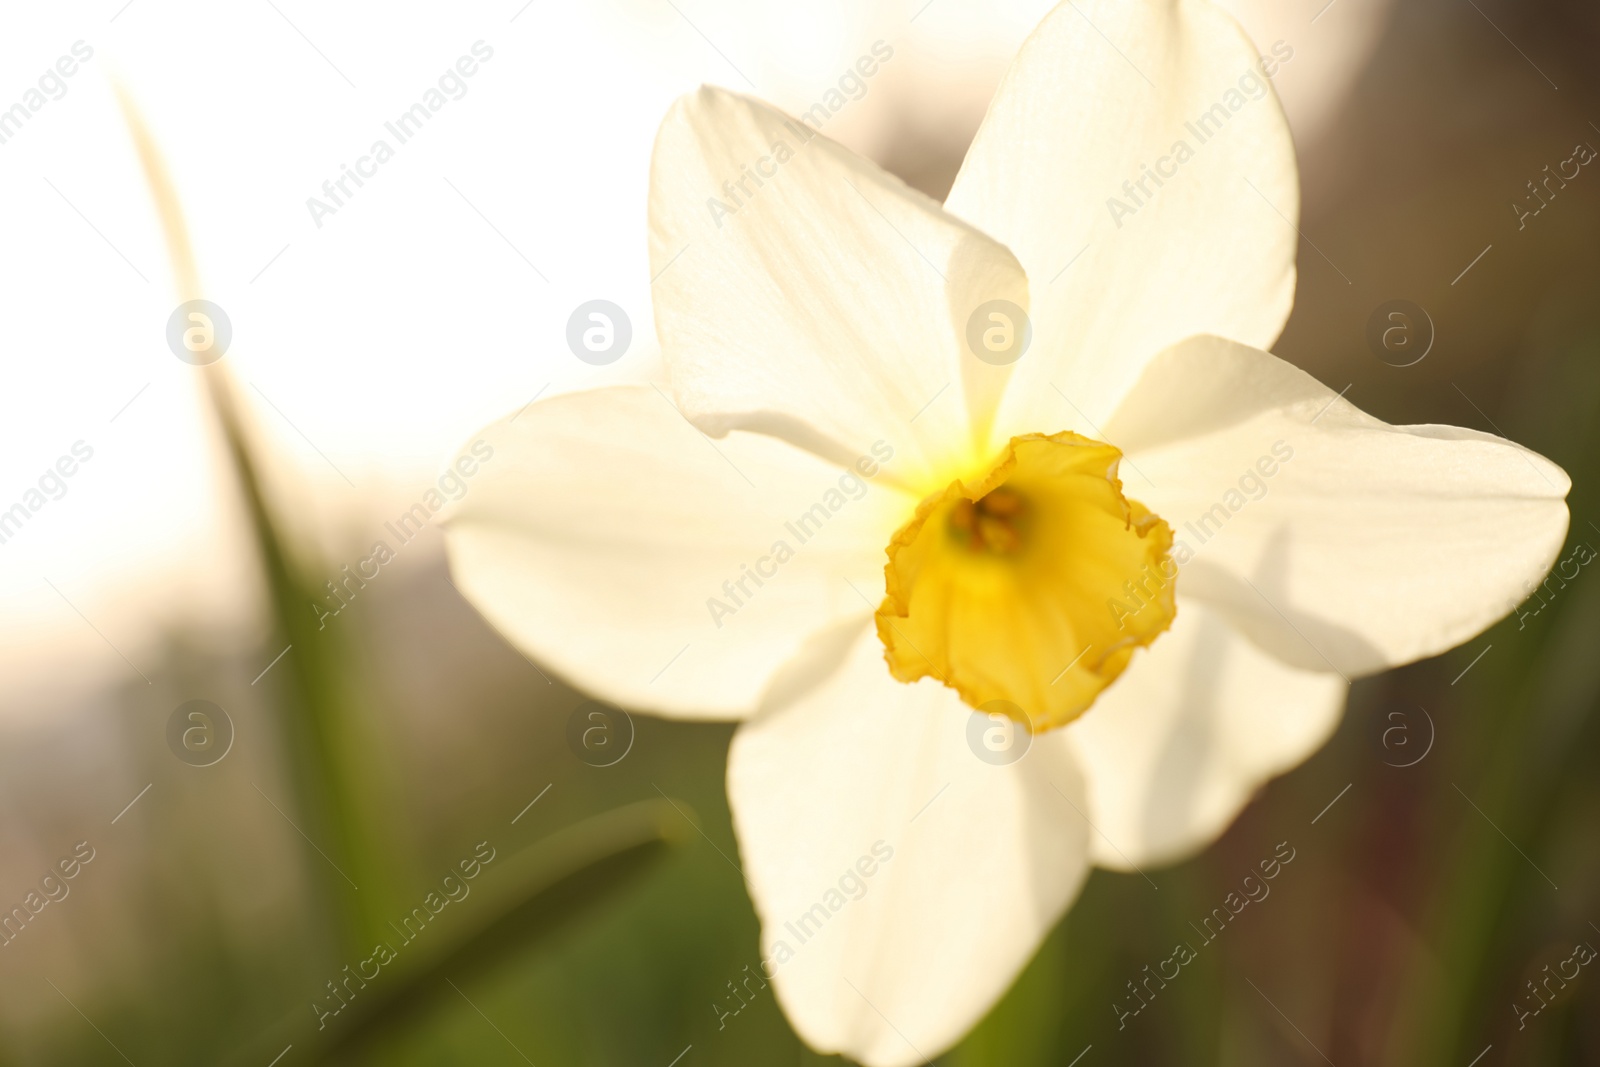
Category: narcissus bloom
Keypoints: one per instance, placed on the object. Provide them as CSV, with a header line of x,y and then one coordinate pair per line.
x,y
924,472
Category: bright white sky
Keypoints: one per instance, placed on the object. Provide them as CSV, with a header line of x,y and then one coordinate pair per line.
x,y
432,302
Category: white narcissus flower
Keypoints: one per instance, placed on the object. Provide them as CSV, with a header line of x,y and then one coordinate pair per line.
x,y
884,532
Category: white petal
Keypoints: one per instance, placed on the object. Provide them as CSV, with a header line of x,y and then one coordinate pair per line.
x,y
1317,80
1195,725
1373,546
599,533
830,294
984,858
1101,90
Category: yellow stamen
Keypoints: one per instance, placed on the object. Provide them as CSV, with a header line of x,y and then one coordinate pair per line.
x,y
1031,585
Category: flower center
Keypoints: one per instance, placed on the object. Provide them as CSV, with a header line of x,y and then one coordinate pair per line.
x,y
990,524
1032,585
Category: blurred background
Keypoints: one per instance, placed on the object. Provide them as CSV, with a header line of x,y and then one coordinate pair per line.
x,y
227,871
